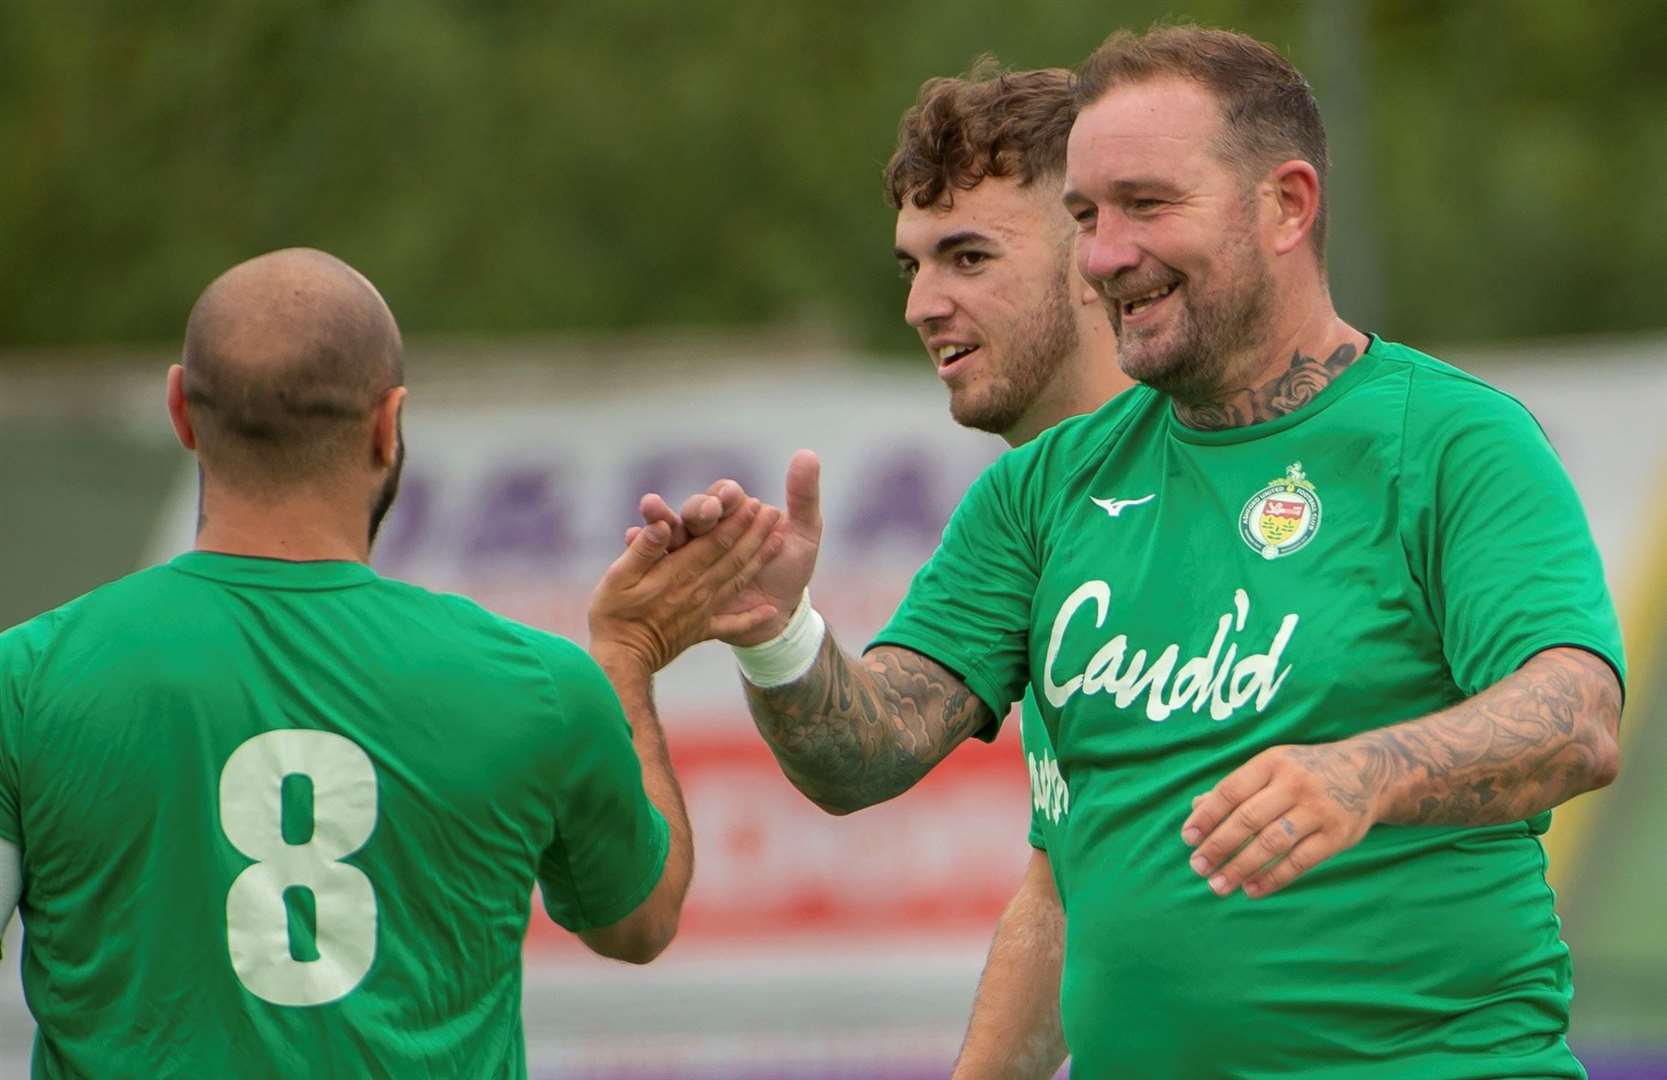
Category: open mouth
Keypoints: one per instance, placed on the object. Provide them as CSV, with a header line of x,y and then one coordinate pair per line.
x,y
1140,304
950,355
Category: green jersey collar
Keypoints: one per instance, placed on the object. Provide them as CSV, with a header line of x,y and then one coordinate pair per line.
x,y
273,573
1330,395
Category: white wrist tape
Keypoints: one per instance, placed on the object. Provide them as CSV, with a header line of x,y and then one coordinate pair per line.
x,y
788,655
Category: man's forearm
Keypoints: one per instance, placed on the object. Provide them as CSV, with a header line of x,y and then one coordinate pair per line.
x,y
851,733
636,694
1535,739
1015,1031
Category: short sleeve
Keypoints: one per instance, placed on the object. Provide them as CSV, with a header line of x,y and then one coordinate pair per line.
x,y
1031,734
17,654
1507,557
610,842
968,608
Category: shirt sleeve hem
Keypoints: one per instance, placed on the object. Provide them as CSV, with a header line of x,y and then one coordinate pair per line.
x,y
594,916
943,652
1566,641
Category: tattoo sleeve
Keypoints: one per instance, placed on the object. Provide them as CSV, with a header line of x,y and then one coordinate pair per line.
x,y
851,733
1535,739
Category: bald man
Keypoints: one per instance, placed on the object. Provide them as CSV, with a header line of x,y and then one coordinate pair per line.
x,y
271,814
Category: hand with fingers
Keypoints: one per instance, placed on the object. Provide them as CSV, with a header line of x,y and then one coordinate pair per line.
x,y
700,514
782,581
653,603
1276,817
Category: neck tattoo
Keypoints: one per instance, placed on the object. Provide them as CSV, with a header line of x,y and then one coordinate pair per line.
x,y
1286,392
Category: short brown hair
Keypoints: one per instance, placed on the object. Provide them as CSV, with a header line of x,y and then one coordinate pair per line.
x,y
1268,110
988,122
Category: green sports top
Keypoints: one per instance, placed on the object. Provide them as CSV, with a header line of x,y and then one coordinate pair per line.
x,y
1180,600
1050,796
284,819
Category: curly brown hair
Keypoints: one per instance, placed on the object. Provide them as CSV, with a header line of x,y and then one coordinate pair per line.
x,y
988,122
1268,110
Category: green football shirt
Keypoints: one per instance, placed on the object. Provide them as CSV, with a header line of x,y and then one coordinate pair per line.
x,y
284,819
1050,796
1180,600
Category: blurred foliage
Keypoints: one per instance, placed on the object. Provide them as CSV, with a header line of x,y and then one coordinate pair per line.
x,y
502,166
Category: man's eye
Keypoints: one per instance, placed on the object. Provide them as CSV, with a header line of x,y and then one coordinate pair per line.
x,y
966,260
1084,217
1145,204
907,271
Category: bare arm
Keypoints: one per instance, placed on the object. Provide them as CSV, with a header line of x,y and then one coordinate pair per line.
x,y
650,606
645,933
1533,740
11,882
1536,738
850,733
1015,1031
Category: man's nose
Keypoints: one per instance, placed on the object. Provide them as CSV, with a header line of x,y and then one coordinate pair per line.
x,y
1108,251
928,300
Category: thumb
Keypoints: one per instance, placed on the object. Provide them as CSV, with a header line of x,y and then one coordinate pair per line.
x,y
804,492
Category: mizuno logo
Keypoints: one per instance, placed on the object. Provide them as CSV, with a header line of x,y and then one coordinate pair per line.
x,y
1115,507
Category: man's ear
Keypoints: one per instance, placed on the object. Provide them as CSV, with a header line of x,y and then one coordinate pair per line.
x,y
385,428
1296,193
179,412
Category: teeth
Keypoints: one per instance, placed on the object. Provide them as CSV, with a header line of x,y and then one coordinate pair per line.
x,y
948,352
1131,306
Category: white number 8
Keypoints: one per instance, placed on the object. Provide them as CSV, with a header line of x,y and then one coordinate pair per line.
x,y
344,816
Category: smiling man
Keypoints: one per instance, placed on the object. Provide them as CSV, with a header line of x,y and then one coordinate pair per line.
x,y
1022,344
1315,684
1018,339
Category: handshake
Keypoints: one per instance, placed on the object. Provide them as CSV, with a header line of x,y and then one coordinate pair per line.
x,y
725,566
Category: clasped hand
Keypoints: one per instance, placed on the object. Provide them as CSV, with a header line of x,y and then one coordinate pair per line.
x,y
653,603
781,582
726,567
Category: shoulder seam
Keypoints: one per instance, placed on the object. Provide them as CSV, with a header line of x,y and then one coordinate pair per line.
x,y
1457,374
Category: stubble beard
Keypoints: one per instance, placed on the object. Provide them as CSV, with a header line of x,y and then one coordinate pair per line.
x,y
389,491
1189,358
1039,348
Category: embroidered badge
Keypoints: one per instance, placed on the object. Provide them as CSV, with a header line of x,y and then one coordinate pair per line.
x,y
1283,516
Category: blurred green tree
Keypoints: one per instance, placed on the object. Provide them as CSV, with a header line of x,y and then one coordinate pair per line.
x,y
509,167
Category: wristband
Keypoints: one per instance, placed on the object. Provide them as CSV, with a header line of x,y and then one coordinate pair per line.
x,y
787,656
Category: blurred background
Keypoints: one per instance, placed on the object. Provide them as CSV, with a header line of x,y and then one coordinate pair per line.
x,y
638,245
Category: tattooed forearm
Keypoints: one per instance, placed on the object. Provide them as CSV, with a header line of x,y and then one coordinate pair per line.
x,y
1532,741
1289,391
852,733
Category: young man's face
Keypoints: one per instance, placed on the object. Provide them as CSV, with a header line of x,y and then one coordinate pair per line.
x,y
990,283
1168,233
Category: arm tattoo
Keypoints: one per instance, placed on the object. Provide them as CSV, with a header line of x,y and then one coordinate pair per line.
x,y
1535,739
1287,392
852,733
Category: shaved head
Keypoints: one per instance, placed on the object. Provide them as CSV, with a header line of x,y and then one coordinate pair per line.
x,y
286,356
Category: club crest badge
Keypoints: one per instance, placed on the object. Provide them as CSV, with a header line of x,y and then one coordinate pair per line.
x,y
1283,516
